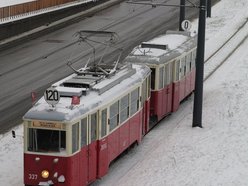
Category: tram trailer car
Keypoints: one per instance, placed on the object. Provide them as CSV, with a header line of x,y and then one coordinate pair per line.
x,y
171,59
95,119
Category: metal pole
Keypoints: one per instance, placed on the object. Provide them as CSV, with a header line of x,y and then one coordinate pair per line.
x,y
209,4
182,14
197,111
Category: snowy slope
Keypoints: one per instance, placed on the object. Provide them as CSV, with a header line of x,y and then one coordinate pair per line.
x,y
173,153
4,3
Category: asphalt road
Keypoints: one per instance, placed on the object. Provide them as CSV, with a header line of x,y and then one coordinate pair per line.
x,y
35,65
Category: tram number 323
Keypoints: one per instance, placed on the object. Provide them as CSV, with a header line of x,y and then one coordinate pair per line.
x,y
52,96
32,176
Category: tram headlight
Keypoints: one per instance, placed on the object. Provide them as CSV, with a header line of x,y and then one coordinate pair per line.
x,y
44,174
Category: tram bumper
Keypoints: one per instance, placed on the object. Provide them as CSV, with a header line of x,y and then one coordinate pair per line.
x,y
48,183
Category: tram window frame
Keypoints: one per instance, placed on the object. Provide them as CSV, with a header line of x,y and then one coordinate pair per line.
x,y
104,121
134,106
170,75
84,131
193,58
124,108
75,137
39,144
149,86
113,116
153,78
182,67
161,78
177,70
188,62
93,127
166,75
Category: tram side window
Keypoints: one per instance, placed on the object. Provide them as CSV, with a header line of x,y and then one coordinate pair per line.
x,y
75,137
114,115
182,67
83,132
93,123
177,70
144,91
161,77
124,108
153,76
134,101
193,58
188,63
42,140
104,123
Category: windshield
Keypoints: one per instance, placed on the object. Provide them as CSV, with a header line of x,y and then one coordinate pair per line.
x,y
41,140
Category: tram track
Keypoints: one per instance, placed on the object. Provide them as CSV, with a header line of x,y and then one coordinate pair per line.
x,y
231,45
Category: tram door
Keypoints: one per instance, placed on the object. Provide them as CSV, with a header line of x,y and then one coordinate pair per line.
x,y
92,148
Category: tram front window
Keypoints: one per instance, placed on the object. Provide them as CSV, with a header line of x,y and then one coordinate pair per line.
x,y
41,140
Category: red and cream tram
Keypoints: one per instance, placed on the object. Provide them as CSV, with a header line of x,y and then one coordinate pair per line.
x,y
86,120
171,59
83,122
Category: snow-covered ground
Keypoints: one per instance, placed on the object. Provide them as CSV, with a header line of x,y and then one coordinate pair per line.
x,y
174,153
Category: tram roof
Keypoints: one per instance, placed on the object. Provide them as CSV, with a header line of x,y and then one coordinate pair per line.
x,y
96,96
164,48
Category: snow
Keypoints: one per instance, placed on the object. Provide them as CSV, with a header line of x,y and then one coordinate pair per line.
x,y
173,41
176,42
4,3
174,153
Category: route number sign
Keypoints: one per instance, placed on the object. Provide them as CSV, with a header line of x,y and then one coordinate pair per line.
x,y
186,25
52,96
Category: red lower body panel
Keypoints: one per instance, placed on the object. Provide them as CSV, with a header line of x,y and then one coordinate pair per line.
x,y
90,163
161,102
69,167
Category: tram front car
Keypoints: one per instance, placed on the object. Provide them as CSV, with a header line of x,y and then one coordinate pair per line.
x,y
70,134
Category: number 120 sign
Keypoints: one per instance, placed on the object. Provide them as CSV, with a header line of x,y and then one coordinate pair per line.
x,y
52,96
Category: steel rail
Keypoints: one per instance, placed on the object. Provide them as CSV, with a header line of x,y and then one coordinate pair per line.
x,y
222,47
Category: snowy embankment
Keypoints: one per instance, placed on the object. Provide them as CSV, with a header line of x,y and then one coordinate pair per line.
x,y
4,3
173,153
